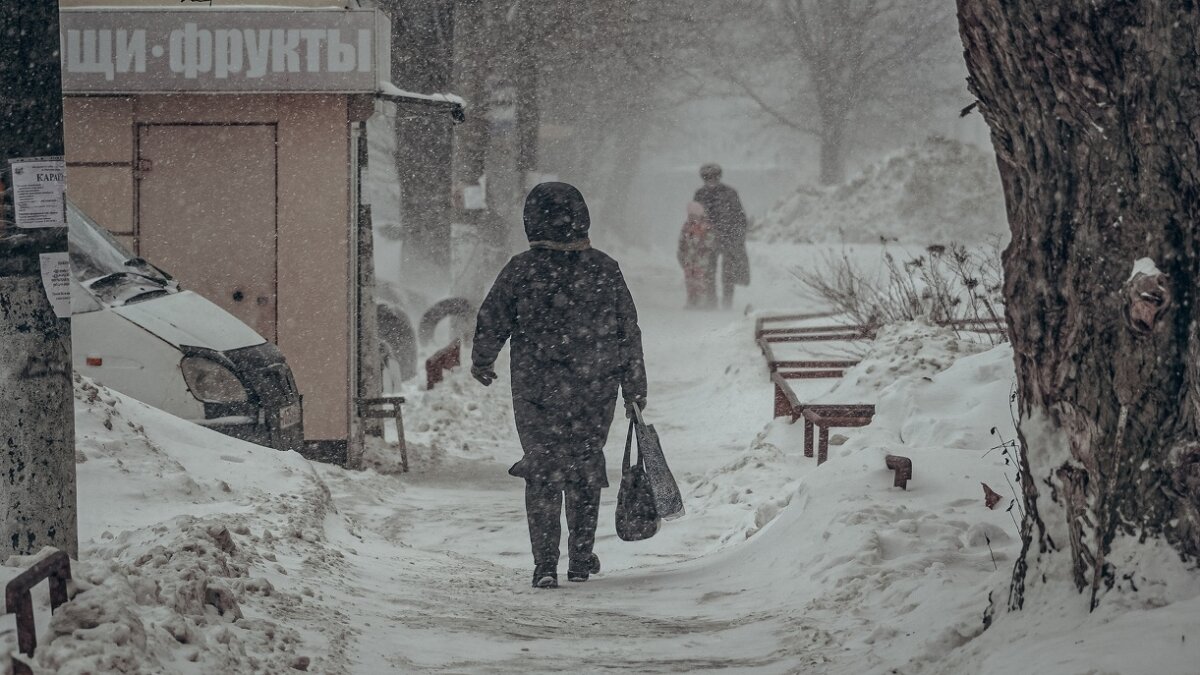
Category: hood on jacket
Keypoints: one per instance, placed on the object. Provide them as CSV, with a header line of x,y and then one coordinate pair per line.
x,y
556,212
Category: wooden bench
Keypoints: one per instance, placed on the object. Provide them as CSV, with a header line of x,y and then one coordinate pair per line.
x,y
829,415
996,325
787,402
827,333
824,416
783,371
819,415
760,324
775,362
387,408
766,328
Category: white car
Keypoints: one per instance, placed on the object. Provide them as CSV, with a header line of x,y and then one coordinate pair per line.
x,y
135,330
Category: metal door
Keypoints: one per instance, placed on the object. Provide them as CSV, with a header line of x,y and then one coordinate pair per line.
x,y
207,213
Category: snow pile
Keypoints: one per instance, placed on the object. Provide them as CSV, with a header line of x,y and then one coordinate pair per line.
x,y
868,578
1147,625
834,570
894,374
188,539
458,419
935,192
902,353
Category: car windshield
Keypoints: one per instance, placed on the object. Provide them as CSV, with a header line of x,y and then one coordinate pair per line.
x,y
94,252
103,272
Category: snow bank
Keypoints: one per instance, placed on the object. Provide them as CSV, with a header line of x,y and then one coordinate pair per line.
x,y
459,419
935,192
853,574
187,539
874,579
894,373
1148,631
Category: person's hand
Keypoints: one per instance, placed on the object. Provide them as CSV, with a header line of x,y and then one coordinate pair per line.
x,y
484,374
630,401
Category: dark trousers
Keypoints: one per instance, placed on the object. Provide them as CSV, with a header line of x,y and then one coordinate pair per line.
x,y
543,504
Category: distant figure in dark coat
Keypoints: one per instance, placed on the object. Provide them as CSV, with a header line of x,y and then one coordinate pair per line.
x,y
575,340
724,209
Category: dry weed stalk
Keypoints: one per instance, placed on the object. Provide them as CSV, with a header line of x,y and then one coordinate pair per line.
x,y
943,284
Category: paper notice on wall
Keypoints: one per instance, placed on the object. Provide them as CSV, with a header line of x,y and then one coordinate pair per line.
x,y
56,279
38,187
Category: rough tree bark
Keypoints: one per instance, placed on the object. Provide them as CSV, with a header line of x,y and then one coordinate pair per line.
x,y
37,423
833,149
1093,111
526,78
472,65
422,60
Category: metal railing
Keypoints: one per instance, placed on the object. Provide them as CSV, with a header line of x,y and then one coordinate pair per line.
x,y
18,599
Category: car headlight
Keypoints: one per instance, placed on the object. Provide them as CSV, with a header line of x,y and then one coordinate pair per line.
x,y
211,382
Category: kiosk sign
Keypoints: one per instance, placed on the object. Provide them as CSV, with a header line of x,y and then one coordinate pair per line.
x,y
173,51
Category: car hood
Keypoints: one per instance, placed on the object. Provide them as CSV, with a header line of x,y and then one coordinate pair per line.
x,y
186,318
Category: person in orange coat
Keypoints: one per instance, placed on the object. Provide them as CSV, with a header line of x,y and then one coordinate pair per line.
x,y
697,242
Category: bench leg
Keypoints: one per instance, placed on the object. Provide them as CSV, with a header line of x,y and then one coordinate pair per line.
x,y
808,438
903,468
782,409
823,445
401,441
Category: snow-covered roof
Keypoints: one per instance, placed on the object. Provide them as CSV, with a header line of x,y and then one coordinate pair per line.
x,y
451,103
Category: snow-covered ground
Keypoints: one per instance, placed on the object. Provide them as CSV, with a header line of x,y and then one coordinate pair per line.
x,y
202,554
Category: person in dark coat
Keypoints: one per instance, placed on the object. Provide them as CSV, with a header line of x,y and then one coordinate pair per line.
x,y
574,340
725,212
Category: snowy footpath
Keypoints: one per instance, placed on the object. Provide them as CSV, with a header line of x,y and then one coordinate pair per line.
x,y
202,554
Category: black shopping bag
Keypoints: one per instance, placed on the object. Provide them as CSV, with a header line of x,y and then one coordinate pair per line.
x,y
637,516
667,498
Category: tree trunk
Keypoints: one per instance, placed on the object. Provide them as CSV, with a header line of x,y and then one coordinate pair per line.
x,y
422,60
833,152
1092,110
526,82
471,69
37,422
832,109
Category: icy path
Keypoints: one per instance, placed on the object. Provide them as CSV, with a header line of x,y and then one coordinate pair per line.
x,y
442,564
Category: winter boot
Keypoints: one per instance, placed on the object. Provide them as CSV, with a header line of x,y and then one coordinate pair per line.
x,y
579,571
545,578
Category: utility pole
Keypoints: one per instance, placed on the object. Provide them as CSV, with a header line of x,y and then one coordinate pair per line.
x,y
37,423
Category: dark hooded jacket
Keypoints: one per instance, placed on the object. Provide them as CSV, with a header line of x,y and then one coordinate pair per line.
x,y
575,339
724,209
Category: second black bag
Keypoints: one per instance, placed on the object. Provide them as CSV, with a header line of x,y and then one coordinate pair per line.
x,y
637,516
